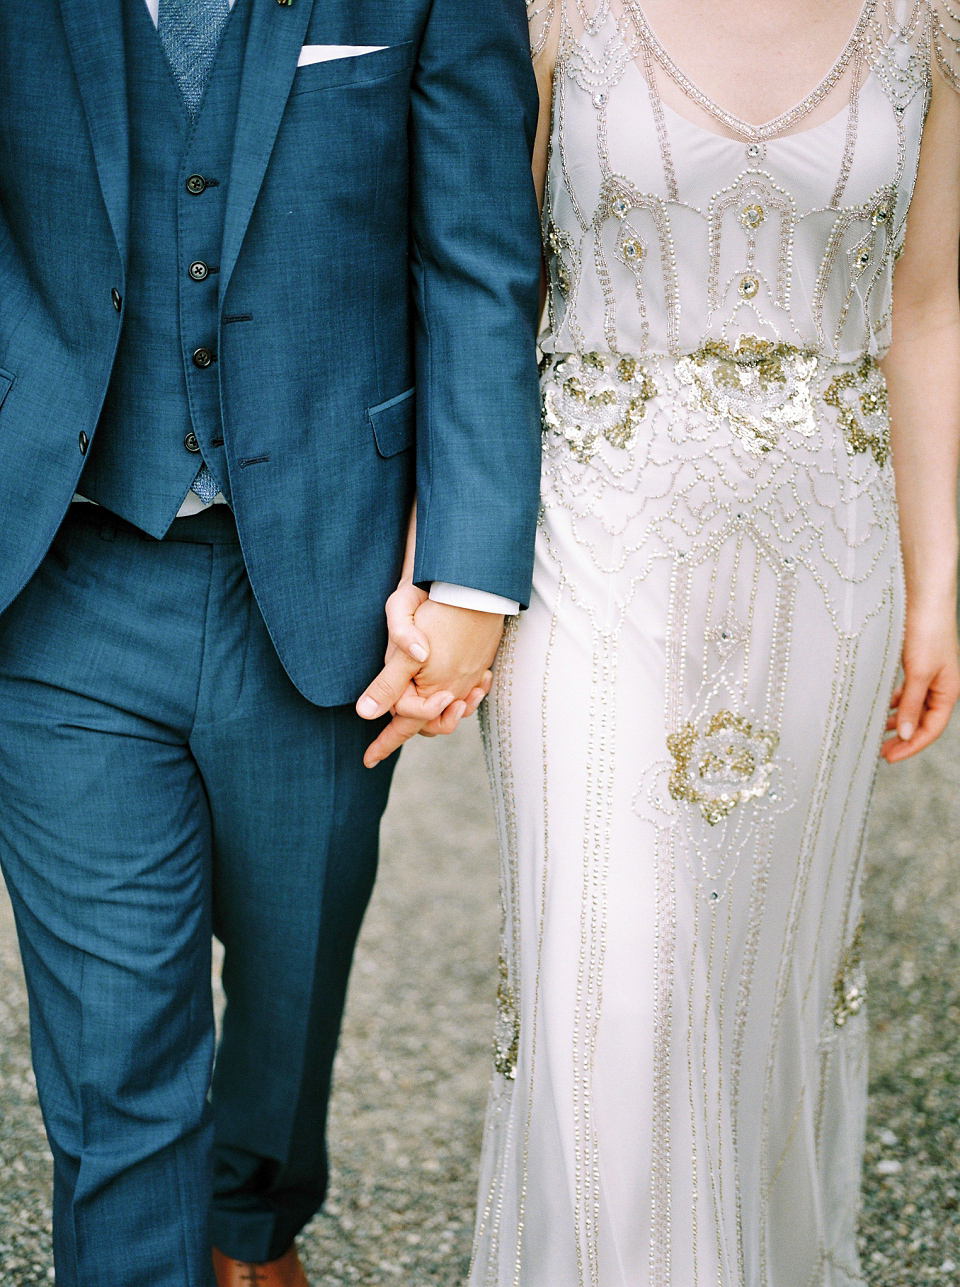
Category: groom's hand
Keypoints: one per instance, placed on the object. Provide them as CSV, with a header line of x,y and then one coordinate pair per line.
x,y
437,669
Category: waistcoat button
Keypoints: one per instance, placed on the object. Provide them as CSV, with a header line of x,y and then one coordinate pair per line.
x,y
117,299
190,442
84,443
203,358
196,184
198,270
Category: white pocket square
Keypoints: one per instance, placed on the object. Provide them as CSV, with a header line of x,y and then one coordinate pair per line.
x,y
327,53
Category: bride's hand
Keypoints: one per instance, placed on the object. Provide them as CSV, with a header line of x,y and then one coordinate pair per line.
x,y
922,705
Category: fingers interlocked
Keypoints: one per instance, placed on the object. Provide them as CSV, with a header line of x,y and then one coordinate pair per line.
x,y
425,693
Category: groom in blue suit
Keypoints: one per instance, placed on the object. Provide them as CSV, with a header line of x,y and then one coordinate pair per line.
x,y
268,271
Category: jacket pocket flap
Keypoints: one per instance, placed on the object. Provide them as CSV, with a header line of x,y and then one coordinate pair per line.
x,y
341,73
394,423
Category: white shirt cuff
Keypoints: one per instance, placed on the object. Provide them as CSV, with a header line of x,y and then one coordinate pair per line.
x,y
461,596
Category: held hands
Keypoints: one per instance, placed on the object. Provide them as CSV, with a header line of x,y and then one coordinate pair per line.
x,y
922,705
437,669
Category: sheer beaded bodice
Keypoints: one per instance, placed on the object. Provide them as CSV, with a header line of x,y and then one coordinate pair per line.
x,y
662,234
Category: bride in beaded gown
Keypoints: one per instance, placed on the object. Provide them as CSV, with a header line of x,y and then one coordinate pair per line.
x,y
684,726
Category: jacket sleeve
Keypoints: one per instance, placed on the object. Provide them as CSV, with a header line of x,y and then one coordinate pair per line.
x,y
475,255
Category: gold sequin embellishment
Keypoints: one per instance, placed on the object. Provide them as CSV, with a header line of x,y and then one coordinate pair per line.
x,y
596,396
721,765
860,400
559,247
506,1033
850,988
758,387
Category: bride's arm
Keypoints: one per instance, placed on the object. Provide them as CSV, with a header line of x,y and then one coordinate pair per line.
x,y
923,374
545,37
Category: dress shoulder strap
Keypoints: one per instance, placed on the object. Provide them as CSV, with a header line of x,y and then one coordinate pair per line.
x,y
944,19
544,19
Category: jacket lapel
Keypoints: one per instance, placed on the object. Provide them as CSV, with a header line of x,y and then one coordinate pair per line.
x,y
273,47
94,30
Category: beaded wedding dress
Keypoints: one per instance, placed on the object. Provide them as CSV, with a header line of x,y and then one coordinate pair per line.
x,y
685,725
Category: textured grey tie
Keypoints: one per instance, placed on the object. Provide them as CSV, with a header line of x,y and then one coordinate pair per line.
x,y
190,32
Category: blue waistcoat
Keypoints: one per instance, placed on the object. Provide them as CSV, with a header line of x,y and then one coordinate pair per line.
x,y
162,411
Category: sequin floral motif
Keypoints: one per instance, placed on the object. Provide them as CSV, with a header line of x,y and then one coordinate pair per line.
x,y
758,387
506,1033
596,396
850,988
721,765
859,398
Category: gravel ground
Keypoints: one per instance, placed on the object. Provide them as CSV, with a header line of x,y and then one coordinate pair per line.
x,y
910,1231
412,1075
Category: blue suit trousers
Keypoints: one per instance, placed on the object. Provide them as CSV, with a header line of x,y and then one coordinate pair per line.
x,y
161,777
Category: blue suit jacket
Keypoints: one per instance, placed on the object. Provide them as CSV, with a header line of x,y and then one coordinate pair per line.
x,y
381,231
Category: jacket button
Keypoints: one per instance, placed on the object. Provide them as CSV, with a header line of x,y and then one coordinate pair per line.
x,y
117,299
203,358
198,270
196,184
83,442
190,442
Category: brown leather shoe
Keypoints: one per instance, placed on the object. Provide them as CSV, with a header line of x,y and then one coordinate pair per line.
x,y
285,1272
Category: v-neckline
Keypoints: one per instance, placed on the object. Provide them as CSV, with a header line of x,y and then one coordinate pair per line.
x,y
758,133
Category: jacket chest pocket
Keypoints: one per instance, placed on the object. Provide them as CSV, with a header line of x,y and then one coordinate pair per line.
x,y
354,70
